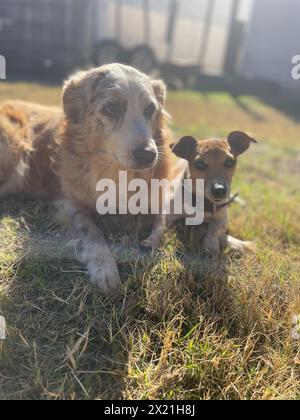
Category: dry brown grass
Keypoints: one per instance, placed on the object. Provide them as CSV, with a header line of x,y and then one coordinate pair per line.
x,y
185,326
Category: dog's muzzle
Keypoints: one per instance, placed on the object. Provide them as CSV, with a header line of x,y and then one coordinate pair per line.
x,y
145,156
219,191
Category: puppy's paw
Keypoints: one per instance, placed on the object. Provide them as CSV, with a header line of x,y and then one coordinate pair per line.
x,y
145,250
148,244
243,247
105,276
212,245
153,241
249,247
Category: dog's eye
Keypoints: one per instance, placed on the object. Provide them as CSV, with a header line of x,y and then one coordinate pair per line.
x,y
150,111
112,110
230,163
200,165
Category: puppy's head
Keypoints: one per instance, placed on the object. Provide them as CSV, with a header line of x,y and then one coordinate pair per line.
x,y
119,109
214,161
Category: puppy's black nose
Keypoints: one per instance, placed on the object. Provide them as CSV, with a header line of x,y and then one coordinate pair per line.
x,y
219,191
144,156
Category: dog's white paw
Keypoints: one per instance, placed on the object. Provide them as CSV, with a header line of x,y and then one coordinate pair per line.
x,y
242,247
105,276
248,247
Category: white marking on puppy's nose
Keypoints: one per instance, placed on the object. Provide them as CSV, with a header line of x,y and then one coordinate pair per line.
x,y
219,190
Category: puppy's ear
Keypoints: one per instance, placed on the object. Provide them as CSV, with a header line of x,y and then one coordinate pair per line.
x,y
160,91
186,148
74,100
239,142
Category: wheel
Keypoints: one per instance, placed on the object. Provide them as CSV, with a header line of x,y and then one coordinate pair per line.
x,y
143,59
107,52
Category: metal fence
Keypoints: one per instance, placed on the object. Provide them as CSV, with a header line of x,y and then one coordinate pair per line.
x,y
38,34
183,37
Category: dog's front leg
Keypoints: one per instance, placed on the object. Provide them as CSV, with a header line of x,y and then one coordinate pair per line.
x,y
154,240
215,230
92,249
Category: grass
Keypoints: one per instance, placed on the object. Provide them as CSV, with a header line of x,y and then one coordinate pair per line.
x,y
185,326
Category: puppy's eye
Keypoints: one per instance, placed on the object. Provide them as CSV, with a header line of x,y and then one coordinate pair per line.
x,y
150,111
112,110
230,163
200,165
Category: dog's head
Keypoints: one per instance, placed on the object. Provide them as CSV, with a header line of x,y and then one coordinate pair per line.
x,y
119,109
214,161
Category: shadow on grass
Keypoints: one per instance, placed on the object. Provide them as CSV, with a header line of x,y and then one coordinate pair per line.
x,y
270,93
67,341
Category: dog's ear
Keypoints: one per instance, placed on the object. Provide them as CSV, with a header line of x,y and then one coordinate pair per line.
x,y
73,97
160,91
186,148
239,142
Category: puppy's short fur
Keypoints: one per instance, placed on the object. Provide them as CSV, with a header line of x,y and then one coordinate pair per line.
x,y
215,162
113,119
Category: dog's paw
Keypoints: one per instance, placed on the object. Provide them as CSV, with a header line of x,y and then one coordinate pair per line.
x,y
212,245
148,244
249,247
151,242
145,249
243,247
105,276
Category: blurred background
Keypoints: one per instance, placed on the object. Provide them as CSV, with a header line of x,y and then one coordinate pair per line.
x,y
250,42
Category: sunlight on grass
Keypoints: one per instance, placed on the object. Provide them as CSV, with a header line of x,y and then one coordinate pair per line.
x,y
185,325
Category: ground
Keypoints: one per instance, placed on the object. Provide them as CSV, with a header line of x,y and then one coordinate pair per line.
x,y
185,325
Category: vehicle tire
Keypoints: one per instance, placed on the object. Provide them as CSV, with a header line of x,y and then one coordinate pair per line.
x,y
143,59
107,52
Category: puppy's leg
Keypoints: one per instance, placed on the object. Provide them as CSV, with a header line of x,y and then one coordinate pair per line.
x,y
173,218
93,250
212,243
241,246
212,240
157,232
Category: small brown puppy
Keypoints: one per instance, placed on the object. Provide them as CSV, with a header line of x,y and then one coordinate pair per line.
x,y
215,162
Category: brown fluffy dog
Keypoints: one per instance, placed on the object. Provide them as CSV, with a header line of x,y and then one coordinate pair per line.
x,y
112,119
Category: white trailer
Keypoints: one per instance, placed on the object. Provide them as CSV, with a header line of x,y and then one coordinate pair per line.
x,y
186,33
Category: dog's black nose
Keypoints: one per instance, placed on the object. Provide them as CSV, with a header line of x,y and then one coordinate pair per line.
x,y
219,191
145,156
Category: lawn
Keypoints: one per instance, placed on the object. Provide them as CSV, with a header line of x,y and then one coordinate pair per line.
x,y
185,325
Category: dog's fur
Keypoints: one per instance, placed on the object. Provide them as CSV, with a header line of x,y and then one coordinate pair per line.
x,y
107,114
215,162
